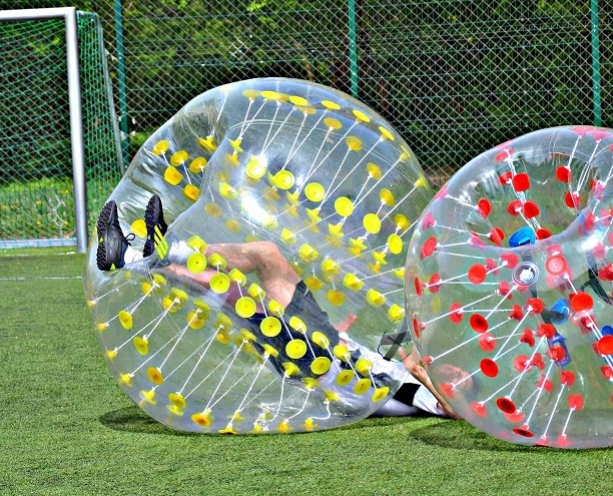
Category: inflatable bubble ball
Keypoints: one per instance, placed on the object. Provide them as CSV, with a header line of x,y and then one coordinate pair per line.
x,y
509,289
269,225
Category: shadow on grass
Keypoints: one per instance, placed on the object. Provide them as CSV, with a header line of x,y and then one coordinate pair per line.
x,y
133,419
462,435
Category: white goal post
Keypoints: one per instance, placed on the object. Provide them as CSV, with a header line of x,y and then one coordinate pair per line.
x,y
69,15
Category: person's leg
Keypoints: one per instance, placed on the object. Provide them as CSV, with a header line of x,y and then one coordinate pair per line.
x,y
263,258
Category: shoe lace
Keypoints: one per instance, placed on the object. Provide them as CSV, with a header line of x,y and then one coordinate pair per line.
x,y
130,237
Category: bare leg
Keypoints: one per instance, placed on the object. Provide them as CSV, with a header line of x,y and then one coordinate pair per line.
x,y
263,258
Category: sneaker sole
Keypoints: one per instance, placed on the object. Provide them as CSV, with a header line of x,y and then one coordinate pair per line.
x,y
101,225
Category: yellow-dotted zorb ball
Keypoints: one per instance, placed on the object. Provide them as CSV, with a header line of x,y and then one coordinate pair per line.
x,y
263,306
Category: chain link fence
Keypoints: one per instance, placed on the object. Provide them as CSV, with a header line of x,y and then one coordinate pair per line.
x,y
454,77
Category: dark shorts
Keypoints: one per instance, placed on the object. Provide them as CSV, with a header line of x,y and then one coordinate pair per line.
x,y
304,306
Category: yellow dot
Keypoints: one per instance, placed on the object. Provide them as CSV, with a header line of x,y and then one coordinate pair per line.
x,y
196,262
330,267
197,165
387,197
320,339
217,261
233,225
353,282
270,350
343,206
307,253
421,182
227,191
341,352
172,176
380,393
271,95
251,94
314,283
275,308
155,375
363,366
255,168
161,147
315,192
180,295
191,192
237,277
337,298
361,115
177,399
220,283
333,123
197,243
330,105
374,171
297,324
288,236
194,320
213,209
256,291
386,134
270,327
111,354
296,349
245,307
298,100
361,386
139,228
372,223
249,336
148,396
201,419
208,144
320,365
395,244
401,222
354,143
141,345
345,377
375,298
126,379
283,179
291,369
395,313
179,158
125,319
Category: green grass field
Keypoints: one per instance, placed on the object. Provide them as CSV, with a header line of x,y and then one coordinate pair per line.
x,y
67,428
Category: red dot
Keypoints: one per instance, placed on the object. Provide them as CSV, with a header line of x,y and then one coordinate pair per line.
x,y
531,209
543,233
515,417
417,283
456,313
556,264
484,206
572,200
536,304
521,431
605,345
506,405
510,259
581,301
489,367
478,408
447,389
487,342
435,283
521,182
503,155
514,207
496,235
429,246
417,327
521,362
478,323
563,174
477,274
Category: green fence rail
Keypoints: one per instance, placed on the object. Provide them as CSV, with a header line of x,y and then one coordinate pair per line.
x,y
455,77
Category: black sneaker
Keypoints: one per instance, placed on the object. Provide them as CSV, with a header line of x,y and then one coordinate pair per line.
x,y
112,243
156,227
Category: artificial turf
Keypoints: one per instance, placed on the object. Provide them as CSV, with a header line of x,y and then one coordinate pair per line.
x,y
67,428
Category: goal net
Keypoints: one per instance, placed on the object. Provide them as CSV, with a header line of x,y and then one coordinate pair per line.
x,y
59,160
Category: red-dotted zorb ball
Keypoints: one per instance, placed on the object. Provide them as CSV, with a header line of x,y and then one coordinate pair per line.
x,y
509,289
